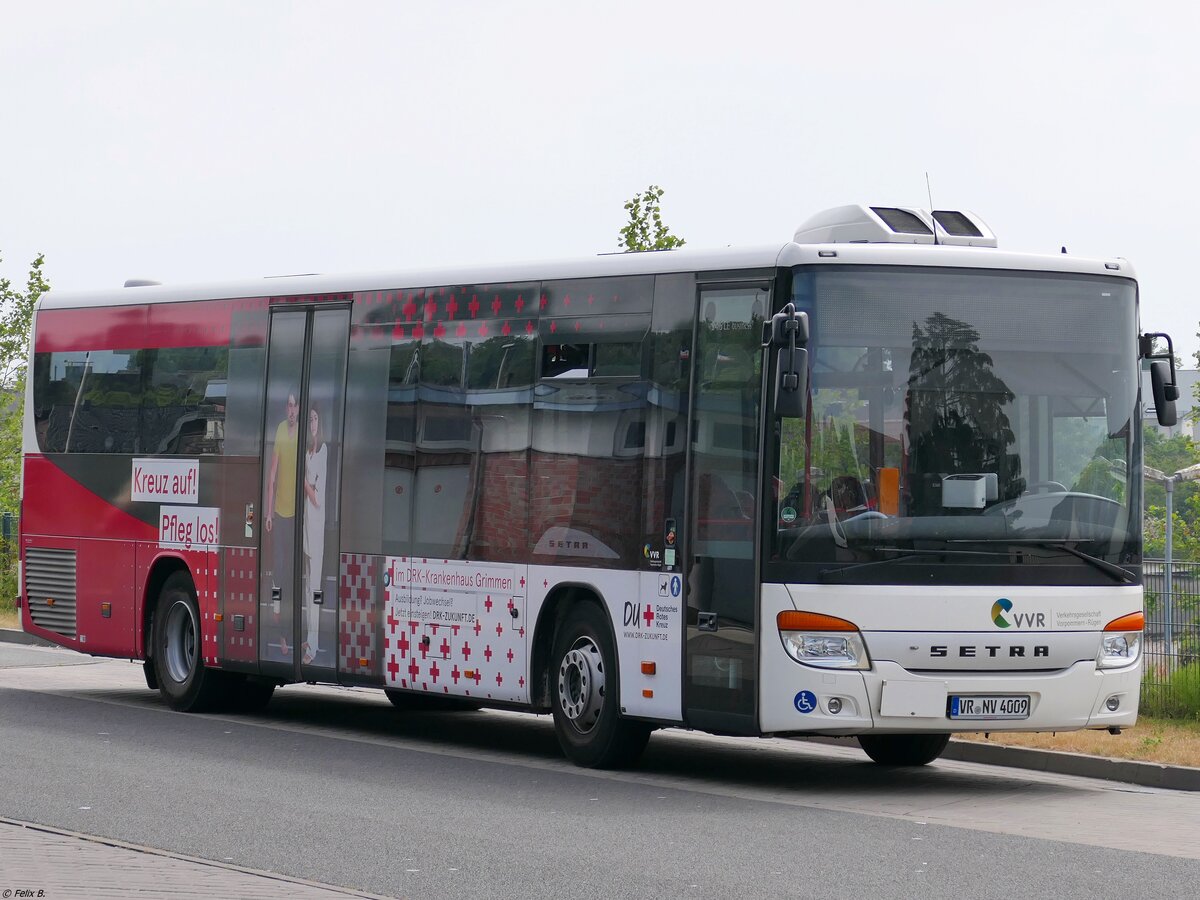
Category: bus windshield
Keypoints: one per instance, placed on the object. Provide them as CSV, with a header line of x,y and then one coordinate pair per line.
x,y
965,426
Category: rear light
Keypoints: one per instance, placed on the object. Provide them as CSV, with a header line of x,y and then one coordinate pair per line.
x,y
1121,642
816,639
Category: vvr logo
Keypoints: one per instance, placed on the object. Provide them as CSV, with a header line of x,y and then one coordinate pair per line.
x,y
1021,620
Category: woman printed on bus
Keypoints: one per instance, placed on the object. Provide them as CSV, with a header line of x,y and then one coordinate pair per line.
x,y
316,463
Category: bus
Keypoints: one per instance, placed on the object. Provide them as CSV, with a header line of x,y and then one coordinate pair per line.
x,y
880,481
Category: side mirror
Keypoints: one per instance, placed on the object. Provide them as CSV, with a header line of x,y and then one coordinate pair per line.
x,y
789,335
1166,392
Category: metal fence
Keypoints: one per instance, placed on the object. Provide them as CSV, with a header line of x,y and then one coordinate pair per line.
x,y
1171,680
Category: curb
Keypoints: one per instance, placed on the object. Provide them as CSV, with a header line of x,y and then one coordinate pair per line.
x,y
1145,774
15,636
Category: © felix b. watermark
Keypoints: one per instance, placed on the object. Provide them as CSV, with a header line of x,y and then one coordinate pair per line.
x,y
13,894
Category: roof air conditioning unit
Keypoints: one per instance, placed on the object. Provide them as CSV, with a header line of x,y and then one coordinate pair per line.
x,y
895,225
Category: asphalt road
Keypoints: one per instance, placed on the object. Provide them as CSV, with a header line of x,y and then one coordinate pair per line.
x,y
336,787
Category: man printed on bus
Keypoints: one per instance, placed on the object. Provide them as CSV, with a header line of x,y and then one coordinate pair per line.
x,y
281,502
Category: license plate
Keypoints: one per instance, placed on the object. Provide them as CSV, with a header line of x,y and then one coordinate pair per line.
x,y
985,707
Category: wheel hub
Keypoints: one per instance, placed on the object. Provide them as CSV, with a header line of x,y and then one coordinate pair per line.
x,y
180,649
581,684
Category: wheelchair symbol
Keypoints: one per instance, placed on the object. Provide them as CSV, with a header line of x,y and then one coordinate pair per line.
x,y
806,702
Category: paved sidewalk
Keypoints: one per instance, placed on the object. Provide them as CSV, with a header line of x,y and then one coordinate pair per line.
x,y
40,862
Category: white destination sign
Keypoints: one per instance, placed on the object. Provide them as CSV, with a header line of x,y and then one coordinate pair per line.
x,y
165,480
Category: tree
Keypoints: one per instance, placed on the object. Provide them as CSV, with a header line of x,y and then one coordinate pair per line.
x,y
646,230
16,318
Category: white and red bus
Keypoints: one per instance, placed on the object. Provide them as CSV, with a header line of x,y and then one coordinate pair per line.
x,y
883,480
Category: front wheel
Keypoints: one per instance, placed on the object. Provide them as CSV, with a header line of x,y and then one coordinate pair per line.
x,y
904,749
587,719
183,680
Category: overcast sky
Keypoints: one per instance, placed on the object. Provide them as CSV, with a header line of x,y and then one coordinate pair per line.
x,y
191,141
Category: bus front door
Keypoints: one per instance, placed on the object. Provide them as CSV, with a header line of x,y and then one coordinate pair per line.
x,y
721,680
302,430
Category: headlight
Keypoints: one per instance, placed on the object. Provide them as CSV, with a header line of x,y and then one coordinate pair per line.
x,y
1119,644
825,641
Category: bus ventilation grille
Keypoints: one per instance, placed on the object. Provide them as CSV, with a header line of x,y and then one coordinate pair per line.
x,y
50,588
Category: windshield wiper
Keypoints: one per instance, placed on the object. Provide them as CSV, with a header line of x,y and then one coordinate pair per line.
x,y
904,553
1117,572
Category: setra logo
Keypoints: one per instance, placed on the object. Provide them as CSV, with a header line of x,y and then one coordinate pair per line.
x,y
999,608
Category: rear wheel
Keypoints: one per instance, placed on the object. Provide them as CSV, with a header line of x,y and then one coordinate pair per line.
x,y
586,692
178,665
904,749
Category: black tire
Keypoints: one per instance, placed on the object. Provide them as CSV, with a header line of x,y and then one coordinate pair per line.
x,y
183,680
585,687
904,749
413,702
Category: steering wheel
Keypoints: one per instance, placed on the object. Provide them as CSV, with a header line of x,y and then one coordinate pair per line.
x,y
1046,485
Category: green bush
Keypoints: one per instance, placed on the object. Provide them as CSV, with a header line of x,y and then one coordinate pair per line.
x,y
1176,697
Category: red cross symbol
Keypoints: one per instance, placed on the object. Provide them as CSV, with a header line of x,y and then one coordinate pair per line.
x,y
542,305
454,629
483,329
452,306
434,672
418,330
499,679
487,653
445,648
591,299
412,626
424,650
413,669
521,682
410,309
454,673
397,331
499,629
393,621
648,615
478,627
477,676
520,304
434,628
393,668
545,583
578,325
529,329
506,329
430,309
522,631
473,306
510,604
487,604
567,300
461,330
438,330
402,645
522,581
466,651
510,655
496,305
553,326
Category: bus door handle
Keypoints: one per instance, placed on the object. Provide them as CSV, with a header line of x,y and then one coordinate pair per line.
x,y
706,621
318,597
